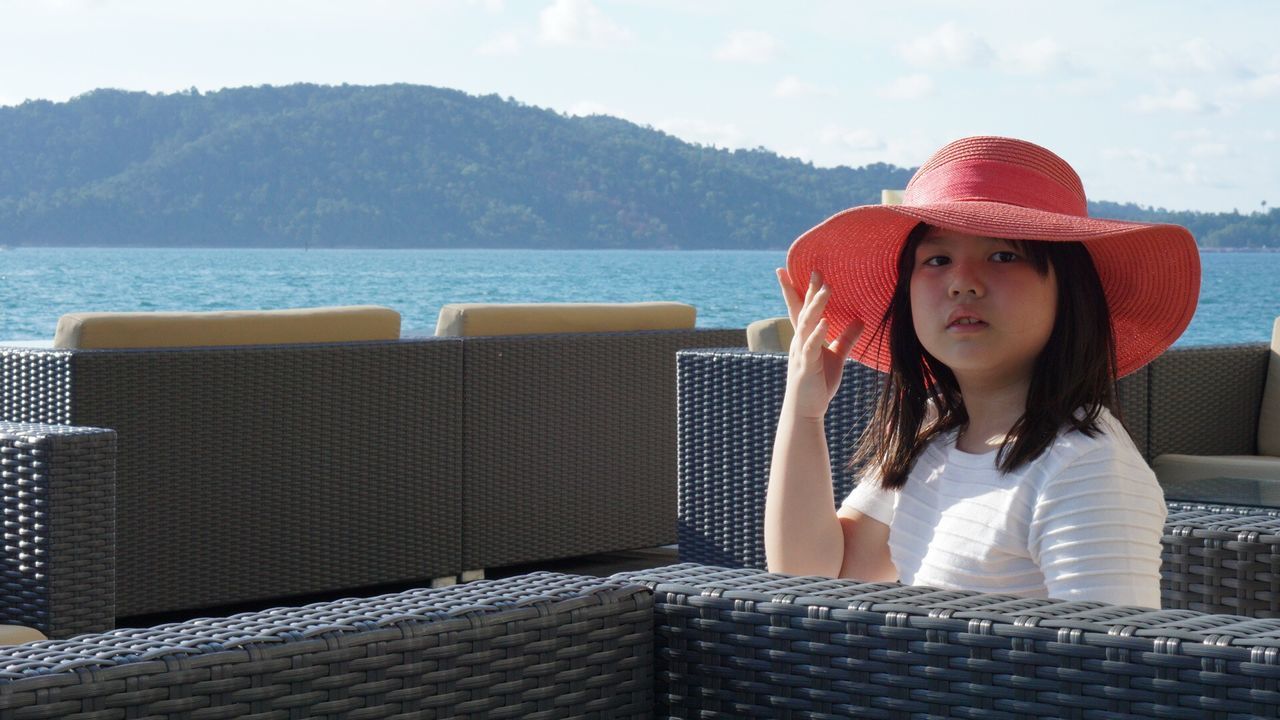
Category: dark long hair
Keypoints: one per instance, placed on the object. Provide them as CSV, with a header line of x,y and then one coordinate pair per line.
x,y
1072,380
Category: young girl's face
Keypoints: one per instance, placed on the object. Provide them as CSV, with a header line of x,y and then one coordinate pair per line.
x,y
980,306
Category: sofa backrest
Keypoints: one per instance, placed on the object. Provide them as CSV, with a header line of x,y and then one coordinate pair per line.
x,y
493,319
100,330
1269,415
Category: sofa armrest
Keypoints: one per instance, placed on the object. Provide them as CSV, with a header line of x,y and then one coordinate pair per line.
x,y
1206,400
538,645
58,565
752,644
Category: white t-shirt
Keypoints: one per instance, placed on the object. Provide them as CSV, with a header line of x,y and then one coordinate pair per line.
x,y
1081,522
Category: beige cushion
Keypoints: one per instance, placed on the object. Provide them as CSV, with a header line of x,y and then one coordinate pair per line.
x,y
770,335
234,327
475,319
1200,467
1269,419
17,634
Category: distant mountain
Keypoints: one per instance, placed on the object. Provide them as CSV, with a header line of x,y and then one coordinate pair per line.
x,y
414,166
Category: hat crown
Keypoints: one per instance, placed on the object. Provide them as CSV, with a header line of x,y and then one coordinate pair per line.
x,y
997,169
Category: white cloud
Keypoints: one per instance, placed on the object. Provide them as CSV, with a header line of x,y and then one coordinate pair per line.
x,y
748,46
948,46
1197,135
1194,55
1038,57
1257,88
1189,172
584,108
727,135
1181,100
792,87
1144,159
578,22
1210,150
859,139
908,87
493,7
507,43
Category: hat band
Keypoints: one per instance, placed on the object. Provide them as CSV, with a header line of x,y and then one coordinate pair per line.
x,y
993,181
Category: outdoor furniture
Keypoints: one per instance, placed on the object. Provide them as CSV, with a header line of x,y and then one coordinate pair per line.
x,y
1218,412
729,401
260,472
57,571
685,641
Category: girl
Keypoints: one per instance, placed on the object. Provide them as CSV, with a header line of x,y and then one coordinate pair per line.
x,y
1003,315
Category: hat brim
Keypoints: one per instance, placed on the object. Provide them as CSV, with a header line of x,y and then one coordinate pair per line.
x,y
1149,272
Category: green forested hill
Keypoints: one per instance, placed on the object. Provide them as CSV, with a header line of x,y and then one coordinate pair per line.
x,y
412,166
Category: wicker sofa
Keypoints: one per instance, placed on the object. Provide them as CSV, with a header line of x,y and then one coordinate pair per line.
x,y
682,641
729,401
261,472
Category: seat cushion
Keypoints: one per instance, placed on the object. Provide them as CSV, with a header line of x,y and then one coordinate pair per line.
x,y
770,335
234,327
17,634
478,319
1199,467
1269,417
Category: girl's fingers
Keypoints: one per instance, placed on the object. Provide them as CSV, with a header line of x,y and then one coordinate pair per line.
x,y
789,295
816,341
848,338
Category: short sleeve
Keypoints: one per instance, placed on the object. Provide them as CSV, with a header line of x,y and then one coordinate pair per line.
x,y
871,500
1096,529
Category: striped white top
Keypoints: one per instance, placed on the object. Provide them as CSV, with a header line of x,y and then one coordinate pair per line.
x,y
1081,522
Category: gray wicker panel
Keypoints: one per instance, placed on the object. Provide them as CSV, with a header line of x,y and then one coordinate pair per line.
x,y
1222,559
262,472
35,386
570,447
536,646
1205,400
728,416
740,643
1134,399
58,565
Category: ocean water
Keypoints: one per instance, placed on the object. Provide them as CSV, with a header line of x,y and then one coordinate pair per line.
x,y
1239,299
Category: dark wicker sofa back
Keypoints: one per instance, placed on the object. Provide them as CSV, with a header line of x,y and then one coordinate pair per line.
x,y
252,473
1197,400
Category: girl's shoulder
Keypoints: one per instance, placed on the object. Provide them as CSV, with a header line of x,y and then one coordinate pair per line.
x,y
1108,453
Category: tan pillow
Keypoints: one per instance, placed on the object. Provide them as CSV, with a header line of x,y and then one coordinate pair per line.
x,y
477,319
232,327
18,634
1269,418
770,335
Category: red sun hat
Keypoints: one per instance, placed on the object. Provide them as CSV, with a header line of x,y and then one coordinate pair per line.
x,y
1011,189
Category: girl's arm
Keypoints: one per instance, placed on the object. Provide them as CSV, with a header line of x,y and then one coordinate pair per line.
x,y
802,534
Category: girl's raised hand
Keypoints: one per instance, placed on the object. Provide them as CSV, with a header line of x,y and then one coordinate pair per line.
x,y
813,368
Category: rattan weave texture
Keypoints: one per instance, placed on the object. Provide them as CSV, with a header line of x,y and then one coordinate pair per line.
x,y
727,416
742,643
1222,559
1206,400
57,573
248,473
536,646
570,448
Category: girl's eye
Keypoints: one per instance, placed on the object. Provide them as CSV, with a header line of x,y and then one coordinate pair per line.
x,y
1005,256
936,260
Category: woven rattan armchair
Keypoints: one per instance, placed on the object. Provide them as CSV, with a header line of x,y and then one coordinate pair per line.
x,y
248,474
686,641
1217,558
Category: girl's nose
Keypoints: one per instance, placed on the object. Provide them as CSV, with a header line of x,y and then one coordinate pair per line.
x,y
965,281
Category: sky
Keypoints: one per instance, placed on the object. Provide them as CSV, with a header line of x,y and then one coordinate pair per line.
x,y
1168,104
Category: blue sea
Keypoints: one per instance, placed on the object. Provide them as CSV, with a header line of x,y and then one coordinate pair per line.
x,y
1239,300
